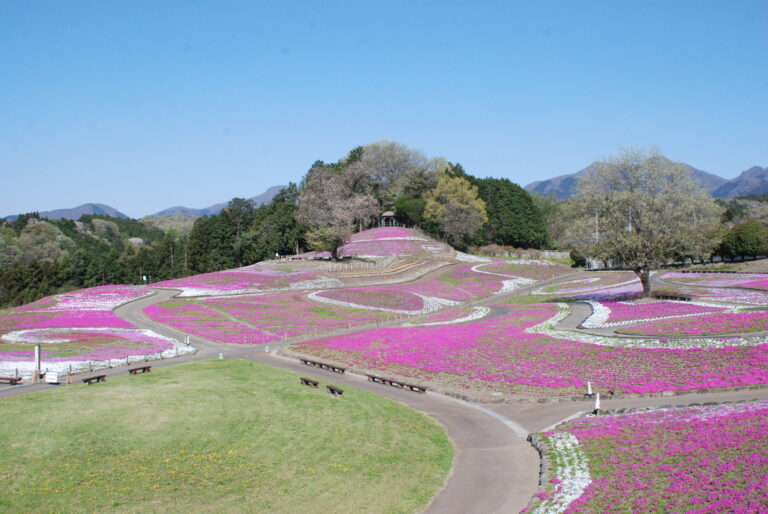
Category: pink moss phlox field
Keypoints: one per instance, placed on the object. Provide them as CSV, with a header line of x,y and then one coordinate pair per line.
x,y
749,280
593,280
376,297
716,324
707,459
718,294
101,298
84,308
245,279
259,319
387,241
622,311
534,270
625,292
387,233
499,354
84,344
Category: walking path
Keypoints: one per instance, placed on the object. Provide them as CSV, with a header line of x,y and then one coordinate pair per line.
x,y
494,468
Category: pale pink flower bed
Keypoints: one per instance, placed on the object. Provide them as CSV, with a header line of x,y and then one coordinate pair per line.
x,y
535,270
750,280
625,292
717,324
706,459
376,298
499,354
387,233
243,280
591,281
387,241
259,319
718,294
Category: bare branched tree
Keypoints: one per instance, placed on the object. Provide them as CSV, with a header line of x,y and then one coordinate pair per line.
x,y
641,210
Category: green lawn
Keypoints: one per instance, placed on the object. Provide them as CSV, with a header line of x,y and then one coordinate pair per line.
x,y
220,435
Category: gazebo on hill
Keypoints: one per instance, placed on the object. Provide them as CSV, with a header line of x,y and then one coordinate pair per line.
x,y
387,219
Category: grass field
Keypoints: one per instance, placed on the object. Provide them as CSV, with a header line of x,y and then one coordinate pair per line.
x,y
221,435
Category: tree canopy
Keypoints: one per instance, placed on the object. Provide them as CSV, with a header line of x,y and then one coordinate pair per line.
x,y
454,206
640,211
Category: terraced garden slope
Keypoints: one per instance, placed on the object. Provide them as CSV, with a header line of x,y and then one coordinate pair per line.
x,y
223,435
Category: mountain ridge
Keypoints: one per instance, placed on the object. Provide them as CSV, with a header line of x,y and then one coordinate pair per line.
x,y
749,182
74,213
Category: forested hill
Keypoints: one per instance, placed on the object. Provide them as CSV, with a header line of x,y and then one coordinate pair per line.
x,y
40,256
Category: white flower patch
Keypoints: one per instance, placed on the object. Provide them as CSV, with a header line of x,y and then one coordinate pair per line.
x,y
548,328
77,366
477,313
571,468
319,283
431,304
465,257
508,286
601,313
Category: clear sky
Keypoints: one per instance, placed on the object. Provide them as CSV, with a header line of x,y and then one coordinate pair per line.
x,y
144,105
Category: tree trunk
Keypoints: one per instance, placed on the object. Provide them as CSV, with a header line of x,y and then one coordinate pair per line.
x,y
644,273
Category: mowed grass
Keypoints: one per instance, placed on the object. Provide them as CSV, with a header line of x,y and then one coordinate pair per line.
x,y
219,435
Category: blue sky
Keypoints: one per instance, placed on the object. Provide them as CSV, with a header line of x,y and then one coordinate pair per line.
x,y
146,105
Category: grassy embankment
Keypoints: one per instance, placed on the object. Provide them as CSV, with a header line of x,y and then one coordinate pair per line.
x,y
223,435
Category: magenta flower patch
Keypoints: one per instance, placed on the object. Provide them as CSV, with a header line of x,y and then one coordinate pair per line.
x,y
698,459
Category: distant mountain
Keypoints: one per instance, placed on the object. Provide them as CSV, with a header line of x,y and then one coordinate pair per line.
x,y
753,181
564,186
263,198
75,212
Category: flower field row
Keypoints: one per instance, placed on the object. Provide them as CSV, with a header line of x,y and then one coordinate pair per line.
x,y
716,324
530,269
84,308
696,459
259,319
383,242
517,353
717,294
596,280
80,349
611,314
452,317
254,279
548,328
748,280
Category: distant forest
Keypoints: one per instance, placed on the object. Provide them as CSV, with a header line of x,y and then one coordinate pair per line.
x,y
39,257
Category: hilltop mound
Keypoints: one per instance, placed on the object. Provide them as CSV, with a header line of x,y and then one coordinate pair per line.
x,y
388,241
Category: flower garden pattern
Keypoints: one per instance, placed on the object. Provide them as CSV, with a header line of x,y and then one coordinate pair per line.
x,y
716,324
587,284
702,459
613,314
519,353
260,319
255,279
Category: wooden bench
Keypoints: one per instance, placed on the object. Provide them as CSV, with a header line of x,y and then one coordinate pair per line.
x,y
323,365
335,391
11,380
141,369
97,378
309,382
396,383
